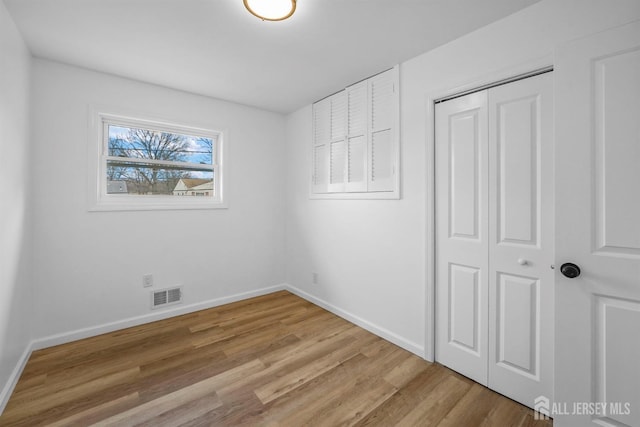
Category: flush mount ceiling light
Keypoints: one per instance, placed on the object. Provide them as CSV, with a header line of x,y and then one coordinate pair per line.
x,y
271,10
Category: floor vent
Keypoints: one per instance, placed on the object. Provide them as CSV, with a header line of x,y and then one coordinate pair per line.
x,y
166,297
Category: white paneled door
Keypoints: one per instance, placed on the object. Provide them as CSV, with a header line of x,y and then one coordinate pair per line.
x,y
462,235
598,229
494,242
521,233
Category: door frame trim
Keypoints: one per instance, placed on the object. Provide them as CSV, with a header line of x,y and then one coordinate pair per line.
x,y
495,78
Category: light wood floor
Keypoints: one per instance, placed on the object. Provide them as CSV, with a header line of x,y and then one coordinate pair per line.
x,y
275,360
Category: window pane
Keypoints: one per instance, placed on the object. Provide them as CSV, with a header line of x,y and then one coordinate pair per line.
x,y
157,145
144,179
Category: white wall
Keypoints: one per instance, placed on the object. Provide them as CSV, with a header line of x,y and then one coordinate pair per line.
x,y
15,233
90,264
371,256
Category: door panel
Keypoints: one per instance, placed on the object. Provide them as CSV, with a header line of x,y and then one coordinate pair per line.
x,y
461,239
518,323
615,159
464,167
616,364
521,238
597,210
464,282
517,168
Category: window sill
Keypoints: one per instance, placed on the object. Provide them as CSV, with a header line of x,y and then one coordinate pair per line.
x,y
159,204
373,195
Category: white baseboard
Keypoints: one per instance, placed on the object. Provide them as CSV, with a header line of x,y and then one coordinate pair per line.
x,y
14,377
365,324
92,331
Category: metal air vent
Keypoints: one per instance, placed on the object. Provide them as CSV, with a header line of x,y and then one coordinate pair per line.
x,y
166,297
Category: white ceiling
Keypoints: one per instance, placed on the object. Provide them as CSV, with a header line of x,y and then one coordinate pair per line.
x,y
216,48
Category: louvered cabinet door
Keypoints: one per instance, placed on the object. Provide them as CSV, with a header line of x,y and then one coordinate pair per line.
x,y
383,125
320,149
337,143
355,151
356,178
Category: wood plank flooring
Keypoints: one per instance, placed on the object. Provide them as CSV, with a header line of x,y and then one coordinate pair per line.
x,y
275,360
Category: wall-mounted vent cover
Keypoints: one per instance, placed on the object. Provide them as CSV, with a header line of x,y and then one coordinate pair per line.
x,y
166,297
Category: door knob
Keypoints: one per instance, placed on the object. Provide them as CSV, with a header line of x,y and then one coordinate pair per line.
x,y
522,261
570,270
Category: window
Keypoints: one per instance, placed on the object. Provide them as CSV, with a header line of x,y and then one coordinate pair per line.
x,y
355,148
145,164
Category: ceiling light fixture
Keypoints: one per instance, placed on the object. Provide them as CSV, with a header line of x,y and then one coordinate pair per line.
x,y
271,10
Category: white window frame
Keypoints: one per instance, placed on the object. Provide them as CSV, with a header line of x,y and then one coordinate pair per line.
x,y
99,200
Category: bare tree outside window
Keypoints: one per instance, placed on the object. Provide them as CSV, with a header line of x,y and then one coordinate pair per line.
x,y
144,161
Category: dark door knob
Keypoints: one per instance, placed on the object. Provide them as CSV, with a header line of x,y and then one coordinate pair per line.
x,y
570,270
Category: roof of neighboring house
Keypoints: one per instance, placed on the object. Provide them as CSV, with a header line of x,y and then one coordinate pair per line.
x,y
205,186
194,182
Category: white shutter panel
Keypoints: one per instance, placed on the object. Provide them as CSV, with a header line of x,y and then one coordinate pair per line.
x,y
381,177
357,109
337,144
320,169
320,150
356,178
383,129
338,117
321,121
381,101
337,165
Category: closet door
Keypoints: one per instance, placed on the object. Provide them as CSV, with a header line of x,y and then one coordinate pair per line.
x,y
521,237
494,237
462,235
